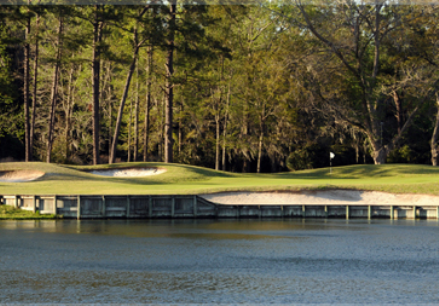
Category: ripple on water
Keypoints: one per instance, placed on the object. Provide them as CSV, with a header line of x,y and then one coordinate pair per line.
x,y
219,262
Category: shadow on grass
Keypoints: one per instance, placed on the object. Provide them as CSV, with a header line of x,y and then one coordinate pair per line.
x,y
131,181
189,168
205,172
361,172
203,175
322,174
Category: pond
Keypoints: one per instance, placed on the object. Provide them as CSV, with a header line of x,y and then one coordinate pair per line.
x,y
219,261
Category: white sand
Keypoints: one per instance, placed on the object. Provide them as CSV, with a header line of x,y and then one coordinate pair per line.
x,y
329,197
129,172
18,176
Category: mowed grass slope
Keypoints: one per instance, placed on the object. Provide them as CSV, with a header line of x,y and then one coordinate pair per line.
x,y
185,179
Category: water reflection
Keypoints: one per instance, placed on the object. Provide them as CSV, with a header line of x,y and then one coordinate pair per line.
x,y
227,261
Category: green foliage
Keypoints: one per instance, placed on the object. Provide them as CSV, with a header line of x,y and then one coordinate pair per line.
x,y
309,157
317,156
7,93
263,79
401,155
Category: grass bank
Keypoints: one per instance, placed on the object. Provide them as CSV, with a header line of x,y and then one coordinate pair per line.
x,y
10,213
185,179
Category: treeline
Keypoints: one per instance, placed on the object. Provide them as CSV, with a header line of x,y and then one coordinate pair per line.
x,y
238,88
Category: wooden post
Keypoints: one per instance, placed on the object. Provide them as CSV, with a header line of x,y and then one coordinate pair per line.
x,y
369,212
78,206
391,213
216,210
54,205
303,211
326,212
195,206
16,201
414,212
173,207
34,204
347,212
128,206
150,207
103,212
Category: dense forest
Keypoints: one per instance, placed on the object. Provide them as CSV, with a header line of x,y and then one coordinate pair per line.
x,y
238,88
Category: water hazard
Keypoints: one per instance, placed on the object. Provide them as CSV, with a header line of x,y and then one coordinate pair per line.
x,y
244,261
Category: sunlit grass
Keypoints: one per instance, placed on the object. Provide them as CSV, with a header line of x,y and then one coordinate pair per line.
x,y
11,213
185,179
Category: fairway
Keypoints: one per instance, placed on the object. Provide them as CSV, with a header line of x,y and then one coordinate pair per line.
x,y
185,179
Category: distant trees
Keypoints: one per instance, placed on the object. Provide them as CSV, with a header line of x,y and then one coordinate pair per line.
x,y
229,87
367,54
10,116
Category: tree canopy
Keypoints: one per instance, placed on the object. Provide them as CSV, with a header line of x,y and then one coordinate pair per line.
x,y
239,88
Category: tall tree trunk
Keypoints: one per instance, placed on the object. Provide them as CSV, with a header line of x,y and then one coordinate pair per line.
x,y
246,111
357,153
136,116
130,125
225,129
110,110
34,96
258,167
398,106
180,122
217,138
364,151
223,157
273,164
261,138
380,156
147,106
380,151
218,115
169,142
434,138
68,115
121,107
96,67
26,77
162,127
54,95
245,129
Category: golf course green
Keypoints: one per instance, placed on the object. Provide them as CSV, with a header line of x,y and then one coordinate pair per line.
x,y
185,179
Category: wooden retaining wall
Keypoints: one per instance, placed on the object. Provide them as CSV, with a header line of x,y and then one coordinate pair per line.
x,y
179,206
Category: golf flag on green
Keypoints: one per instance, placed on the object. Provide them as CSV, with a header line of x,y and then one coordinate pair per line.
x,y
331,156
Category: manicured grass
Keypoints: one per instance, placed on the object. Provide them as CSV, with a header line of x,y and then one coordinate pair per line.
x,y
185,179
10,213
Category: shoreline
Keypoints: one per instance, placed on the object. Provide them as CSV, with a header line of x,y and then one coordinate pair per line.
x,y
301,204
334,196
320,197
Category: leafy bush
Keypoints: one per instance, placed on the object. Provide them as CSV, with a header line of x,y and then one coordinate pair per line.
x,y
317,156
309,157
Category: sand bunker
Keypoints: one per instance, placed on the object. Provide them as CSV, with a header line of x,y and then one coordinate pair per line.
x,y
16,176
328,197
129,172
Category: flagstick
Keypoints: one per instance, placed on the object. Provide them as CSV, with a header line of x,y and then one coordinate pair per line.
x,y
331,156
